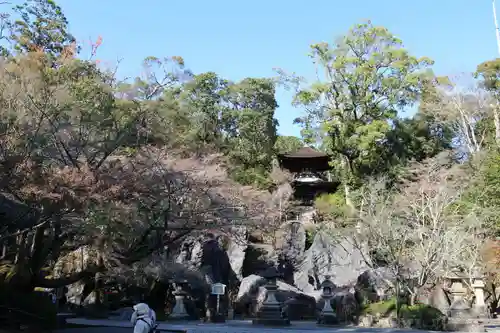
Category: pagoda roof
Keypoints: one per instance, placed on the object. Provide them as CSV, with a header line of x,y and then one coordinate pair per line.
x,y
305,152
305,158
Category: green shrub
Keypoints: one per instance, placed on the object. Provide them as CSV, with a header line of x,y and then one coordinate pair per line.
x,y
382,308
250,176
310,233
332,206
419,316
422,316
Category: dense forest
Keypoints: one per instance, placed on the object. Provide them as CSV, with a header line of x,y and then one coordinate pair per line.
x,y
130,167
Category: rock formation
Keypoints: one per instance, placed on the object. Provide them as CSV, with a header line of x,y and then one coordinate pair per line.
x,y
328,256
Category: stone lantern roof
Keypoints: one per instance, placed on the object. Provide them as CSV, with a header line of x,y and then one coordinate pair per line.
x,y
327,283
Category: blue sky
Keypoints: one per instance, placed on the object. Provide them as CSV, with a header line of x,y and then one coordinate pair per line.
x,y
240,39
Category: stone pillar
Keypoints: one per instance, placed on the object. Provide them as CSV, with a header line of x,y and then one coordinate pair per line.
x,y
478,286
271,311
179,310
327,315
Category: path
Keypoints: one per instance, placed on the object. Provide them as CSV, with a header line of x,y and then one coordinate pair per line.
x,y
230,327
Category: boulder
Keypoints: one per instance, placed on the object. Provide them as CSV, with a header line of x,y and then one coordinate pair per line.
x,y
258,257
190,253
73,262
375,285
328,256
205,253
237,249
291,249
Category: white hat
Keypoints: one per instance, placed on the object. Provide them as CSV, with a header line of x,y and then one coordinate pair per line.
x,y
141,309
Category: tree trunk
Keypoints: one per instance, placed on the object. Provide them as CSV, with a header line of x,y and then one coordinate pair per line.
x,y
413,299
347,192
414,293
496,118
347,189
98,277
398,306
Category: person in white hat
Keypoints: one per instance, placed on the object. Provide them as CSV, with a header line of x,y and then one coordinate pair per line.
x,y
143,319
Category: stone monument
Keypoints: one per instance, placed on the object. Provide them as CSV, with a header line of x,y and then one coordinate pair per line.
x,y
271,311
327,315
461,316
478,286
179,311
458,307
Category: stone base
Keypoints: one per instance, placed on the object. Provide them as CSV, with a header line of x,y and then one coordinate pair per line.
x,y
480,311
271,322
465,325
460,309
271,315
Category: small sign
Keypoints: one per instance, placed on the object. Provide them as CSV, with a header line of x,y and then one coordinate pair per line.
x,y
218,289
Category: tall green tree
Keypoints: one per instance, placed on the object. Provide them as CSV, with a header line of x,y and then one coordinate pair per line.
x,y
202,97
367,78
287,144
489,72
40,25
250,127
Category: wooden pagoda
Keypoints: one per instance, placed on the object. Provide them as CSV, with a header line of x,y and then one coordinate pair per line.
x,y
308,167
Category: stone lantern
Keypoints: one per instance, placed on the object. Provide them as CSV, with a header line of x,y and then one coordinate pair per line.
x,y
179,310
327,315
478,286
271,311
458,307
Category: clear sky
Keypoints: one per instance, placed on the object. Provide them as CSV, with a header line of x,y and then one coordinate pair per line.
x,y
240,39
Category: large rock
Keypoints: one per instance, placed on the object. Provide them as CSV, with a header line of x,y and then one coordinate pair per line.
x,y
206,254
190,253
292,247
252,294
74,295
258,257
74,262
328,256
215,257
236,250
375,285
